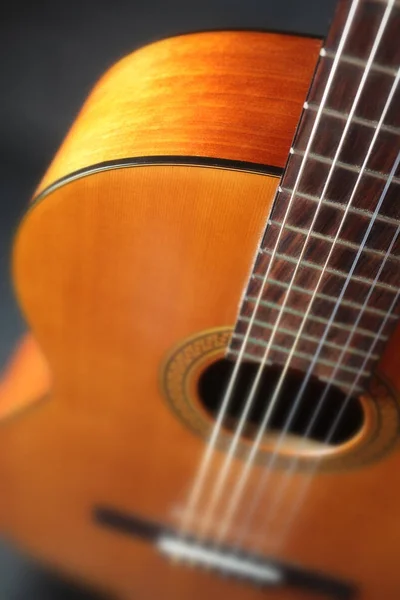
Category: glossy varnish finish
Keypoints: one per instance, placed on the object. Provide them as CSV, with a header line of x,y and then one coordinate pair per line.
x,y
231,95
106,435
294,227
120,241
112,270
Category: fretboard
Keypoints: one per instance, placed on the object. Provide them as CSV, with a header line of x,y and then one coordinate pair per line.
x,y
346,171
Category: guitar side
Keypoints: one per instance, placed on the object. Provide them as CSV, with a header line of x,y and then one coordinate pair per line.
x,y
151,237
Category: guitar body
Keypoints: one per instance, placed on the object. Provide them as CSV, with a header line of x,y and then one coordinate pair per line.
x,y
136,250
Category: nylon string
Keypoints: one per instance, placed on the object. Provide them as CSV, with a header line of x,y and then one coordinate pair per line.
x,y
307,481
239,487
279,495
302,495
205,463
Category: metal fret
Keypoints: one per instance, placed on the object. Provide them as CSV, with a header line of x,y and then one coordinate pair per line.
x,y
306,355
335,381
333,204
358,62
298,313
337,114
279,255
331,239
354,389
311,338
342,165
330,271
334,299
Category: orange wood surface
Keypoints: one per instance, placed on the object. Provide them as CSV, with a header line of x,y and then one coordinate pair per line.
x,y
234,95
112,270
106,434
26,378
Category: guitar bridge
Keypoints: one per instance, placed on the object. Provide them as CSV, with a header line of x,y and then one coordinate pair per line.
x,y
252,568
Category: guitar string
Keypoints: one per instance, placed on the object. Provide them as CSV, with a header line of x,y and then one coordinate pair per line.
x,y
239,486
289,472
301,496
204,468
225,470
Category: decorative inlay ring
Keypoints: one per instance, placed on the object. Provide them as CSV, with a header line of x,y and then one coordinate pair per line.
x,y
188,359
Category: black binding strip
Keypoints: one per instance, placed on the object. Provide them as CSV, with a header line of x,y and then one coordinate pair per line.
x,y
138,161
294,576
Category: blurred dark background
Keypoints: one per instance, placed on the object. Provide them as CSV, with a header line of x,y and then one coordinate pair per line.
x,y
51,55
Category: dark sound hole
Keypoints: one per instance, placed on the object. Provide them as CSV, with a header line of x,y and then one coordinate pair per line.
x,y
214,380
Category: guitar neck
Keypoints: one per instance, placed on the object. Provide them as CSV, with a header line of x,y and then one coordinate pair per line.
x,y
328,267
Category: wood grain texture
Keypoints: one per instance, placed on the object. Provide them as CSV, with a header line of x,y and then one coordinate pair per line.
x,y
365,27
116,309
106,409
359,180
114,269
233,95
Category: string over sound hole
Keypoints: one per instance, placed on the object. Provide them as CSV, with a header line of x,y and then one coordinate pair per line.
x,y
214,381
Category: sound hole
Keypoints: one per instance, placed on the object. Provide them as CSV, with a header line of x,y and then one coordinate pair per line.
x,y
214,380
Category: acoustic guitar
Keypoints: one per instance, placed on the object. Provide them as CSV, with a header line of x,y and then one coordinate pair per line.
x,y
208,402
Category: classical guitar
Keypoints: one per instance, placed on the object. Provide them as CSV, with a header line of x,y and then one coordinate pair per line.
x,y
208,402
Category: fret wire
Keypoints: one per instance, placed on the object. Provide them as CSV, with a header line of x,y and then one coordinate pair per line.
x,y
337,114
311,338
349,303
306,355
343,384
298,313
346,166
333,204
329,238
339,382
359,62
311,265
283,226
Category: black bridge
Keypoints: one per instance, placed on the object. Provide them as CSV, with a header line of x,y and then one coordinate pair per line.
x,y
254,568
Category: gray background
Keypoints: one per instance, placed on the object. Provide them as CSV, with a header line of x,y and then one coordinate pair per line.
x,y
51,55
